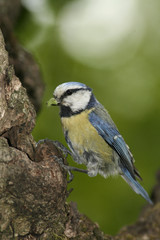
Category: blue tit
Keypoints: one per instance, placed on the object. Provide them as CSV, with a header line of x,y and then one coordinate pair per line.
x,y
92,136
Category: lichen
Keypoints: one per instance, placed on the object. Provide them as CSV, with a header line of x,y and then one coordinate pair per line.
x,y
21,226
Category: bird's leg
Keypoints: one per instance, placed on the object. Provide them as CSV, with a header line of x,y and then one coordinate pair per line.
x,y
65,151
62,148
69,169
58,145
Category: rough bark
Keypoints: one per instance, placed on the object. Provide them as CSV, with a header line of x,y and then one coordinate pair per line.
x,y
25,66
33,187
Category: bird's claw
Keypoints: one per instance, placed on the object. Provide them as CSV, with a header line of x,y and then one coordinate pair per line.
x,y
71,176
62,148
69,169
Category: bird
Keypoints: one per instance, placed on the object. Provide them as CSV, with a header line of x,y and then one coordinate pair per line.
x,y
92,136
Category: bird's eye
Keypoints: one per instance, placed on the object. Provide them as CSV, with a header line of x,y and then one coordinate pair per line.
x,y
69,92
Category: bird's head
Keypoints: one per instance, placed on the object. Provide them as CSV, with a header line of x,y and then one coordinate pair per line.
x,y
73,97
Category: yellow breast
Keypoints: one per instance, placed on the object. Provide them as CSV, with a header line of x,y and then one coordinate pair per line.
x,y
84,136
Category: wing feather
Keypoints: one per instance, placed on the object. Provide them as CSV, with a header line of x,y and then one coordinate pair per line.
x,y
103,123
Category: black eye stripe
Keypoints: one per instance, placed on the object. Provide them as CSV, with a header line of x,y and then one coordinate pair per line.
x,y
71,91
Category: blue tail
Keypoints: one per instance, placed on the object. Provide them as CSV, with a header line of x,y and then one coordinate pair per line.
x,y
135,185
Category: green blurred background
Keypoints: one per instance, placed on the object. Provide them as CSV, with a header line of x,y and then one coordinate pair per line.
x,y
114,47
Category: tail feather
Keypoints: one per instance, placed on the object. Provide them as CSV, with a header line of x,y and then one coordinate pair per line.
x,y
135,185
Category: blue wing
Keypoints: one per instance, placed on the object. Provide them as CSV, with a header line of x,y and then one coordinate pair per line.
x,y
111,135
106,128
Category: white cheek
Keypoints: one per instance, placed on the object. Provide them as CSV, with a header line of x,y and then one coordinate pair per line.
x,y
77,101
